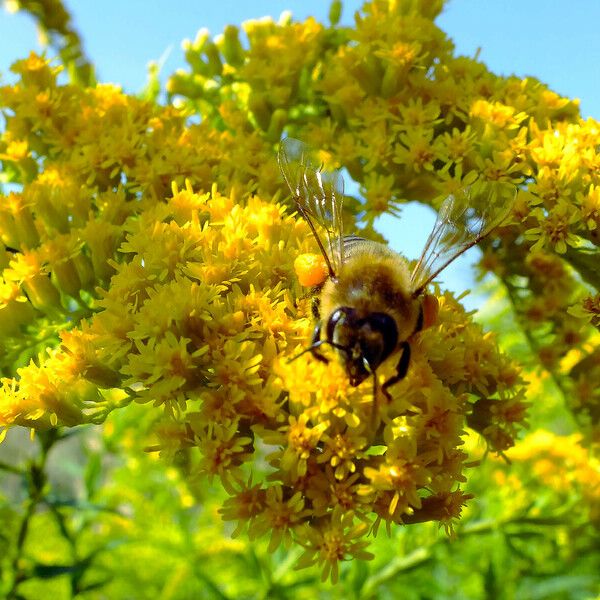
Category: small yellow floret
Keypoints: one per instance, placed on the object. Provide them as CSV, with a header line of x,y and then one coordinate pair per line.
x,y
310,269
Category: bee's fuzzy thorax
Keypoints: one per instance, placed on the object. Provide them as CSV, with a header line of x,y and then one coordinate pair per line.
x,y
371,282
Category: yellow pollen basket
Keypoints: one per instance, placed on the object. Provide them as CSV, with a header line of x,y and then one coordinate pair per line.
x,y
311,269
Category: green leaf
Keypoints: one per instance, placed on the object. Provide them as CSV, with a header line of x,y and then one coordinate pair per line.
x,y
96,585
211,586
490,581
9,173
51,571
564,586
93,473
360,574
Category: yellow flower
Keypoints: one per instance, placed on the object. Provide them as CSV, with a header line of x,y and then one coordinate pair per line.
x,y
15,310
325,491
588,309
397,477
223,450
279,517
333,539
379,195
590,208
444,508
302,441
24,233
340,451
554,227
541,452
28,269
415,150
457,144
46,395
246,502
498,114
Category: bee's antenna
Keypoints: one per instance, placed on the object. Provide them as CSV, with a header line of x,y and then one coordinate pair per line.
x,y
309,349
313,349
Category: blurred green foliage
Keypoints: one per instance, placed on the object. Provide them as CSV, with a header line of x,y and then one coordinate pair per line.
x,y
105,519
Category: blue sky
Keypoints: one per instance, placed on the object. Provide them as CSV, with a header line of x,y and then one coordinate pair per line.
x,y
553,40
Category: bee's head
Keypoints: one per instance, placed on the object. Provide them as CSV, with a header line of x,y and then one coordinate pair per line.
x,y
363,342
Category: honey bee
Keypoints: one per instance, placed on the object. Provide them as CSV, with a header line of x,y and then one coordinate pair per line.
x,y
370,304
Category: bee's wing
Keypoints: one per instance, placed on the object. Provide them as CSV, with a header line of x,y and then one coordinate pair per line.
x,y
318,195
462,222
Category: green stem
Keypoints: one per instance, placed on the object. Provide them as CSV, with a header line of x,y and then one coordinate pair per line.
x,y
37,492
422,555
11,469
399,564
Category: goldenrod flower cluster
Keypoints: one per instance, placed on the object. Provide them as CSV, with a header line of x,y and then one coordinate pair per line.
x,y
156,261
409,120
533,467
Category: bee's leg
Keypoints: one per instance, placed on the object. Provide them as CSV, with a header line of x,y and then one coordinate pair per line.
x,y
315,305
316,342
401,369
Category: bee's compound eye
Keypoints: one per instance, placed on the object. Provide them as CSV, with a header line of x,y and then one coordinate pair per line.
x,y
341,319
379,338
